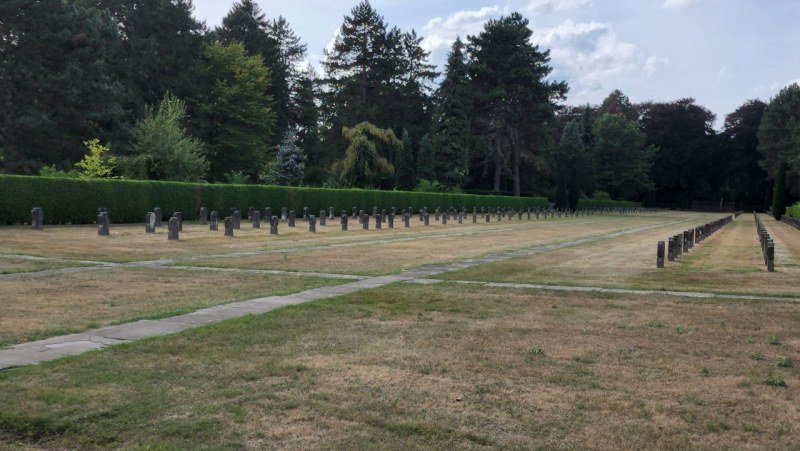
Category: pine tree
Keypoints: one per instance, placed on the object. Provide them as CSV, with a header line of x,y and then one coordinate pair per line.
x,y
426,160
289,165
779,193
568,160
451,134
512,99
406,168
365,163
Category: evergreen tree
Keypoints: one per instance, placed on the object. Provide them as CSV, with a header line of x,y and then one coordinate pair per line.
x,y
779,193
426,160
512,99
406,168
162,146
619,103
586,174
57,85
161,41
451,134
568,160
744,180
289,165
231,112
624,160
375,74
779,136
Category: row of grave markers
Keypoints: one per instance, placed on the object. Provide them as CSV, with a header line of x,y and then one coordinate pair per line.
x,y
153,219
767,245
792,221
677,244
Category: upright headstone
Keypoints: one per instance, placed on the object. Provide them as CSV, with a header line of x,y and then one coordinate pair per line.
x,y
343,220
378,221
273,225
237,219
361,216
173,229
374,212
322,218
37,218
150,222
330,213
305,213
364,221
474,216
770,256
444,218
159,216
291,218
436,214
179,215
391,220
203,215
250,213
255,217
268,214
103,223
660,255
284,214
229,226
213,222
354,213
425,219
460,217
671,249
312,224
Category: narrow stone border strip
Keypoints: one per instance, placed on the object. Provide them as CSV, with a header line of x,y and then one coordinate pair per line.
x,y
682,294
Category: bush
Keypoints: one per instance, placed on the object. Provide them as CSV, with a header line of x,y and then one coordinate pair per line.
x,y
76,201
794,210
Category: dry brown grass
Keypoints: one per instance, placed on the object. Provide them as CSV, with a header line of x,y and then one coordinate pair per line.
x,y
12,265
34,307
729,261
438,367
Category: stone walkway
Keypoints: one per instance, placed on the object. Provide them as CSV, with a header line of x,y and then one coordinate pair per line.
x,y
57,347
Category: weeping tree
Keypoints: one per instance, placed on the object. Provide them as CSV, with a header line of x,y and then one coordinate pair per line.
x,y
365,163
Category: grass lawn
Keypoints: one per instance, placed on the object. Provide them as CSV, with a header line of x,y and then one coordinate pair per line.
x,y
35,307
433,367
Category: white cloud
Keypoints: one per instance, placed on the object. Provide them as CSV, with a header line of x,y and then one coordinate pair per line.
x,y
440,33
538,7
592,58
677,4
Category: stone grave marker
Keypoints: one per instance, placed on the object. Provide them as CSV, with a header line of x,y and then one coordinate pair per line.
x,y
391,220
378,221
660,255
237,219
229,225
322,218
203,215
268,214
291,218
407,219
273,225
343,220
179,215
213,222
284,214
37,218
150,222
312,224
159,216
173,229
103,222
255,217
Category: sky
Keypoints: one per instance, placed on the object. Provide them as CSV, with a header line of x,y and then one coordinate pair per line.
x,y
719,52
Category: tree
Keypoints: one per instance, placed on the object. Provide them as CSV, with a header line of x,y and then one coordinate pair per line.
x,y
569,156
163,148
426,160
161,40
513,101
619,103
96,164
623,159
451,134
406,169
687,165
289,165
57,82
364,163
744,178
230,111
779,136
277,45
374,74
779,193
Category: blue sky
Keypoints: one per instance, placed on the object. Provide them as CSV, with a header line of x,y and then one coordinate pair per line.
x,y
721,52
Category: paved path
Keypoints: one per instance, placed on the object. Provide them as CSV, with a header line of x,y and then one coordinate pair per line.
x,y
56,347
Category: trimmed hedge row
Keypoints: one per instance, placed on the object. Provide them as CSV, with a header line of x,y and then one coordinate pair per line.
x,y
794,210
76,201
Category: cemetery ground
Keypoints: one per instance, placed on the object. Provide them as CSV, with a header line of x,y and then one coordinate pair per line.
x,y
480,355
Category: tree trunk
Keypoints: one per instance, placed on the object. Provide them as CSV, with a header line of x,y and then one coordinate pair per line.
x,y
498,153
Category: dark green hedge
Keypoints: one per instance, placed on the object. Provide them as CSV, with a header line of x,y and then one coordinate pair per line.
x,y
794,211
76,200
